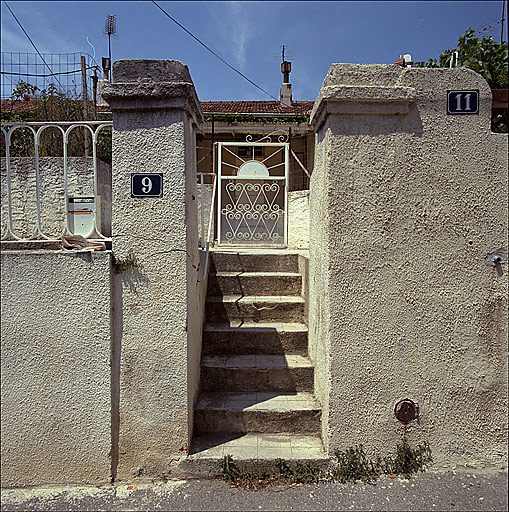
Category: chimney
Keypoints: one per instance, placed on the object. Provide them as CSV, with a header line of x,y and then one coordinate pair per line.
x,y
405,61
285,96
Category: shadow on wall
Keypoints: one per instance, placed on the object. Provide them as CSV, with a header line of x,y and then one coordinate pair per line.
x,y
355,124
131,278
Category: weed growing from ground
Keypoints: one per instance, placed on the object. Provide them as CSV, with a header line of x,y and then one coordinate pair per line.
x,y
407,460
351,465
307,473
228,470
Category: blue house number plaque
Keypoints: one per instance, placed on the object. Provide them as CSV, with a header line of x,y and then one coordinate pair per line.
x,y
463,102
147,185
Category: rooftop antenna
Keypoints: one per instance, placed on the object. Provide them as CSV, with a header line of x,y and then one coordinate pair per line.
x,y
285,96
286,67
110,28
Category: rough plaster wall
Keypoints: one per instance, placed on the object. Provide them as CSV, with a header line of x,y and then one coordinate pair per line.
x,y
153,300
303,262
298,219
412,207
104,193
207,204
196,291
80,176
55,368
318,307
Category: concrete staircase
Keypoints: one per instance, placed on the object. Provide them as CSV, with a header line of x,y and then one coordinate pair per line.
x,y
256,397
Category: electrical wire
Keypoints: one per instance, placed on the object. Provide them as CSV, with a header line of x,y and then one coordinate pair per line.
x,y
52,74
491,26
25,32
213,52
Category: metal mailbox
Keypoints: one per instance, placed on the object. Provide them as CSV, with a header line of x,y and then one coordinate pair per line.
x,y
81,214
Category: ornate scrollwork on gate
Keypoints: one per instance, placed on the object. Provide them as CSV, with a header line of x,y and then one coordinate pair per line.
x,y
252,212
281,135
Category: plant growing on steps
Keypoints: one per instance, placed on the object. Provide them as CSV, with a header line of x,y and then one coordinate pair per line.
x,y
228,470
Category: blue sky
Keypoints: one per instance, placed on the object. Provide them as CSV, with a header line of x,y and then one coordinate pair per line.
x,y
249,36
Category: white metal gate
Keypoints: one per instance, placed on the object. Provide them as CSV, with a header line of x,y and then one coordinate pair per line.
x,y
253,193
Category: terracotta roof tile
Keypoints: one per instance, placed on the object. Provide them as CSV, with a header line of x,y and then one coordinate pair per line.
x,y
17,106
208,107
255,107
25,105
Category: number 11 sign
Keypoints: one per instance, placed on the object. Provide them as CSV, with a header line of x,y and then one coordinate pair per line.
x,y
463,102
147,185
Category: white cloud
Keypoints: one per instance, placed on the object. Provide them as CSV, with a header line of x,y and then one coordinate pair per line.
x,y
234,31
39,27
239,30
15,41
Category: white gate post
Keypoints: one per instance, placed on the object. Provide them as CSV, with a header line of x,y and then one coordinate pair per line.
x,y
155,113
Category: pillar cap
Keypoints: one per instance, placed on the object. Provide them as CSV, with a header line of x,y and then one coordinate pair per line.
x,y
153,70
141,84
366,89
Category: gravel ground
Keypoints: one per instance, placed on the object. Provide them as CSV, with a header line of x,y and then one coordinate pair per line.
x,y
423,492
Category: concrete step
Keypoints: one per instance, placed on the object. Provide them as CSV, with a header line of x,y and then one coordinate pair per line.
x,y
256,373
245,261
254,283
244,447
255,338
252,308
257,412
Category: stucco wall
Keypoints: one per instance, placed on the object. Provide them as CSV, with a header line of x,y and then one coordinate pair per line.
x,y
55,368
80,176
298,219
406,202
157,337
319,340
196,291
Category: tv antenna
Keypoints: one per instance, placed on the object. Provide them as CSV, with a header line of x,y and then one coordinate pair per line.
x,y
286,66
110,28
283,54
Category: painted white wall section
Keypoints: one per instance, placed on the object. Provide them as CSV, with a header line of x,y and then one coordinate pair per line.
x,y
53,209
298,219
406,202
55,368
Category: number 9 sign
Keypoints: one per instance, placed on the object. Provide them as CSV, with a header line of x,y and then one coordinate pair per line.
x,y
147,185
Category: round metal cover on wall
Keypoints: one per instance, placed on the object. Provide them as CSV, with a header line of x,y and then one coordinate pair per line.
x,y
406,410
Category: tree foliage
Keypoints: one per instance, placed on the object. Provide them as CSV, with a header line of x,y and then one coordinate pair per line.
x,y
485,56
50,104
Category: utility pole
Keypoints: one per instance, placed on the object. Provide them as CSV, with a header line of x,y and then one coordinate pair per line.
x,y
85,101
503,19
95,78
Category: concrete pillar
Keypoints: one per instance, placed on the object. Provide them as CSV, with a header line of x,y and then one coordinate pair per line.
x,y
155,113
406,202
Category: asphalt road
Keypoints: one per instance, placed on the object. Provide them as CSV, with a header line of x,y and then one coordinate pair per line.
x,y
423,492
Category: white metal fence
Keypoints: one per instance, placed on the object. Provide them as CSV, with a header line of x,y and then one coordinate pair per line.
x,y
32,206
